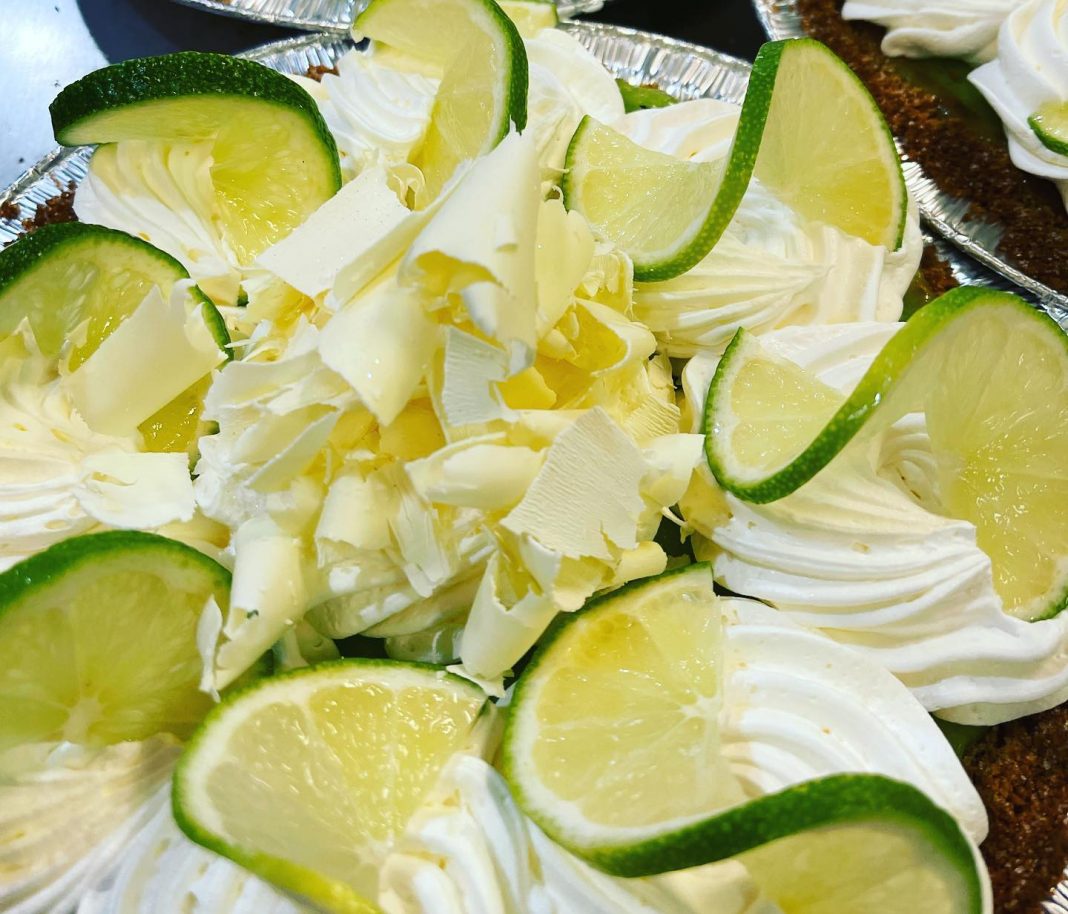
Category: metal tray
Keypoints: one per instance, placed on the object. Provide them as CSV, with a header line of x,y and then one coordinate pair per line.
x,y
947,215
684,70
330,15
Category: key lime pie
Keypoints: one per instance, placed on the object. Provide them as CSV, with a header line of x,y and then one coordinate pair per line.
x,y
347,442
975,92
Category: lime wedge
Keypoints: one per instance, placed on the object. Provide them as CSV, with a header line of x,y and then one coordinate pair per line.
x,y
98,640
483,63
639,98
990,373
808,129
531,16
612,747
827,150
275,161
1050,124
306,779
63,276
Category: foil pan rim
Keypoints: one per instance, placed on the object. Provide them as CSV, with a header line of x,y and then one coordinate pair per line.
x,y
328,15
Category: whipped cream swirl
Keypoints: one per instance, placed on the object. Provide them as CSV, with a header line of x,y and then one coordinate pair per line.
x,y
1029,71
161,871
59,477
566,83
67,813
377,112
943,28
861,553
771,268
163,194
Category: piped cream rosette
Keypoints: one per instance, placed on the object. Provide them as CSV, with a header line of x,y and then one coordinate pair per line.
x,y
863,554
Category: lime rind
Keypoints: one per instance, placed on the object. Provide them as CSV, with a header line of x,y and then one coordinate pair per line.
x,y
531,16
871,394
478,30
842,799
641,98
44,568
1050,125
74,243
1023,539
93,108
518,737
838,800
731,186
300,881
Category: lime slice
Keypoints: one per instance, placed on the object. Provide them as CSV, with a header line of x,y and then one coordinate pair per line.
x,y
531,16
483,62
63,276
1050,124
306,779
827,150
612,747
991,375
629,686
808,129
639,98
274,160
98,640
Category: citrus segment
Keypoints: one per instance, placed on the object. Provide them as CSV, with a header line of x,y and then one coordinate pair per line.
x,y
531,16
827,150
629,687
808,130
99,276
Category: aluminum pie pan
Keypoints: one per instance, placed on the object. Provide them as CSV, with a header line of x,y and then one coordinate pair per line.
x,y
946,214
684,70
330,15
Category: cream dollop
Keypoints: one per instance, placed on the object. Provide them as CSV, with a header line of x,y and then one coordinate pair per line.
x,y
944,28
1029,71
566,83
861,553
163,193
67,813
160,870
469,850
58,477
771,268
377,112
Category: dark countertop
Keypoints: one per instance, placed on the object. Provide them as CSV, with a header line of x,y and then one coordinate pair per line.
x,y
50,43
